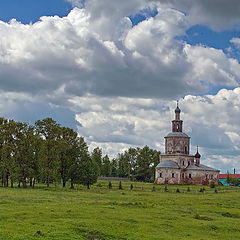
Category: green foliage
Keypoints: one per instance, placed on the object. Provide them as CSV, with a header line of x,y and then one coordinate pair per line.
x,y
110,185
138,164
97,158
45,153
106,167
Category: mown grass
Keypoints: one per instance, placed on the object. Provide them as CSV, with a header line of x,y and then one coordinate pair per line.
x,y
112,214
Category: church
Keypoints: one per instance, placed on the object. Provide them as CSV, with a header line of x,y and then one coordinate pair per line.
x,y
177,166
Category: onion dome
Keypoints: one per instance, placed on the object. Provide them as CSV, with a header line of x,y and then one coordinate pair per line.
x,y
177,110
197,155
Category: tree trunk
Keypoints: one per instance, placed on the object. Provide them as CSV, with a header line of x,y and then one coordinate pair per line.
x,y
19,184
47,181
2,179
30,183
7,179
33,184
88,185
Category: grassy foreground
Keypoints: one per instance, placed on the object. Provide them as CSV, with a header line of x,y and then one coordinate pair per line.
x,y
100,213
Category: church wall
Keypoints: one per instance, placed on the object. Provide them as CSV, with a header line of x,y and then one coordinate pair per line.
x,y
200,177
168,176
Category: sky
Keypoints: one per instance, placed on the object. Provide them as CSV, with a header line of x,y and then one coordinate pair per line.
x,y
113,70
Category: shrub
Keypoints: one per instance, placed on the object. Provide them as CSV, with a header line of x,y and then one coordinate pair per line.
x,y
110,185
120,186
212,184
178,191
165,189
188,189
131,187
153,189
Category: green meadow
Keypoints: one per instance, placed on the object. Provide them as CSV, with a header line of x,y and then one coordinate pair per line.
x,y
145,212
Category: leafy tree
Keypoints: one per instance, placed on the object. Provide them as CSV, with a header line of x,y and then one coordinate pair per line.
x,y
106,168
88,171
50,131
97,157
114,168
69,151
83,169
147,159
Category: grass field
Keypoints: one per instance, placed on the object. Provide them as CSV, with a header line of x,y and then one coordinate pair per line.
x,y
100,213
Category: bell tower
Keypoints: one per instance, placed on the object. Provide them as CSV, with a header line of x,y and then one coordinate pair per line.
x,y
177,123
177,142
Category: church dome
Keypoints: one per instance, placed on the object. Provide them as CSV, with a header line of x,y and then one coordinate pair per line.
x,y
197,155
177,110
167,164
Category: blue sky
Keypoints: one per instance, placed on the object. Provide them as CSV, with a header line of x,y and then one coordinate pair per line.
x,y
110,79
27,11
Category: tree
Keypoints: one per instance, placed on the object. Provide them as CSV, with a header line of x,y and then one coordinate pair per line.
x,y
83,169
50,131
106,168
147,159
114,168
68,144
97,157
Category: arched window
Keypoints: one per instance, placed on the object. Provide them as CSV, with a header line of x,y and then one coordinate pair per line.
x,y
183,163
190,175
172,175
160,174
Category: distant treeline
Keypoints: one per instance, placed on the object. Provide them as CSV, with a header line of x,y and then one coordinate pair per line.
x,y
49,153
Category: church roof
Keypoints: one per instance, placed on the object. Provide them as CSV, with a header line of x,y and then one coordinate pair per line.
x,y
200,167
167,164
177,134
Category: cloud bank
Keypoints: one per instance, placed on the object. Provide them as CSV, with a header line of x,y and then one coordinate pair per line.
x,y
120,80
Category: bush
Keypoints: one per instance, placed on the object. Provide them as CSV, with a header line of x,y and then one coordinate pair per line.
x,y
178,191
120,186
131,187
165,189
110,185
212,184
153,189
188,189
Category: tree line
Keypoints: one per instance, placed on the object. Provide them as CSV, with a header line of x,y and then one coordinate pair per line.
x,y
47,152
